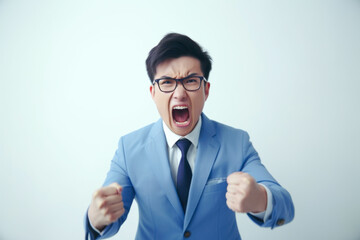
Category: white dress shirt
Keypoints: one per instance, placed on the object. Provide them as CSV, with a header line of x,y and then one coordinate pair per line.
x,y
193,137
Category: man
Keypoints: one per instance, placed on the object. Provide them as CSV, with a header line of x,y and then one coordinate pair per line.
x,y
188,174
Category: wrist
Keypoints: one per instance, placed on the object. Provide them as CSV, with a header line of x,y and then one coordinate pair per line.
x,y
262,199
96,225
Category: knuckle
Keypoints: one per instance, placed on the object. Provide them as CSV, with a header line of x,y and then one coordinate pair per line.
x,y
228,179
227,195
232,176
101,203
228,203
245,174
249,178
246,180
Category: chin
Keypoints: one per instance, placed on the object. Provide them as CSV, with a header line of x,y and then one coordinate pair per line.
x,y
183,131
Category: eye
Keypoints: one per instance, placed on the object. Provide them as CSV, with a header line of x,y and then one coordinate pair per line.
x,y
166,81
191,81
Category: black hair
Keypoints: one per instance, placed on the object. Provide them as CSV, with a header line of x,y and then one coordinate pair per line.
x,y
175,45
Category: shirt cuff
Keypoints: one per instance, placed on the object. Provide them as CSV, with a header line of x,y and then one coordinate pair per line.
x,y
269,206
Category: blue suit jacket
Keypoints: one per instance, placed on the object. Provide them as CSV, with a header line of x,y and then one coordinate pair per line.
x,y
141,166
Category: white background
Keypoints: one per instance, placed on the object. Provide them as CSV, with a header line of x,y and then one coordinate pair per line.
x,y
73,80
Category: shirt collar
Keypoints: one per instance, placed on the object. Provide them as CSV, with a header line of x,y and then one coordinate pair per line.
x,y
193,136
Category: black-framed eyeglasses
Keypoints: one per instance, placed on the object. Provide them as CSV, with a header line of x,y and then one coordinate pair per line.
x,y
190,83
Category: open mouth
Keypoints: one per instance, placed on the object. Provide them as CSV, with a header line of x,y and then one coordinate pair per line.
x,y
181,115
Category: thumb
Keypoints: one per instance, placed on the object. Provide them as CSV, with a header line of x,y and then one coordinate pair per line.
x,y
234,177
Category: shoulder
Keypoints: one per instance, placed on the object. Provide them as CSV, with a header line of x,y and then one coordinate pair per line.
x,y
223,130
142,135
228,129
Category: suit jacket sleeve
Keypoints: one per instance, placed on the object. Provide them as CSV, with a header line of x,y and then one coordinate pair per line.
x,y
283,208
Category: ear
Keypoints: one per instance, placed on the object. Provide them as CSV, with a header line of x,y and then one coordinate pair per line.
x,y
207,90
152,91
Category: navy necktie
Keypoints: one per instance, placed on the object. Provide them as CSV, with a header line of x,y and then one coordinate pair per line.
x,y
184,173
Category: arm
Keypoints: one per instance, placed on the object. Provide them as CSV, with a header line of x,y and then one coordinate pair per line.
x,y
111,204
246,194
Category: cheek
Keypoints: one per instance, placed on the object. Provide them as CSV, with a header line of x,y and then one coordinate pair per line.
x,y
162,103
198,104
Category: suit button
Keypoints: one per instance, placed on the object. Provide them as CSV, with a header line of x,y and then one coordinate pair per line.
x,y
280,222
187,234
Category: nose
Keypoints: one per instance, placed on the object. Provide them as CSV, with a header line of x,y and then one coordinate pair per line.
x,y
180,93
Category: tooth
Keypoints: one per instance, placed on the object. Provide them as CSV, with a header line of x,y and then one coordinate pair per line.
x,y
182,123
180,107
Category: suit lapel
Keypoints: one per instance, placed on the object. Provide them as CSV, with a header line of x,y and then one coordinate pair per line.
x,y
157,149
208,148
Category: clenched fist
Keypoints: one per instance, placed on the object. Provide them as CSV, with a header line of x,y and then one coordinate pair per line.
x,y
244,194
106,206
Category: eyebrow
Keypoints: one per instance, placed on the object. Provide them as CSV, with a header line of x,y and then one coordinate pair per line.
x,y
190,75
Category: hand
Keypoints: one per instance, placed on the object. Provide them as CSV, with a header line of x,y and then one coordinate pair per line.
x,y
106,206
244,194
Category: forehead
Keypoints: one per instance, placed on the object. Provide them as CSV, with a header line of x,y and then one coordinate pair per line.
x,y
178,67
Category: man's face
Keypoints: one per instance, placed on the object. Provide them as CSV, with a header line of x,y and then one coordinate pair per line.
x,y
180,109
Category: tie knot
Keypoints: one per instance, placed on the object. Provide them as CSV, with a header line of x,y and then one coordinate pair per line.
x,y
183,145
